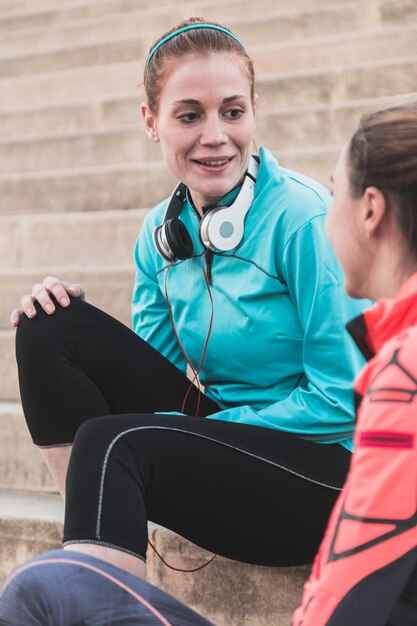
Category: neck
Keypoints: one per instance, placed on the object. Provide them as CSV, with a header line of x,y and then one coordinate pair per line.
x,y
200,202
388,280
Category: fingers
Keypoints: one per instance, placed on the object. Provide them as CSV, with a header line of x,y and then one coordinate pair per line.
x,y
15,317
54,286
27,305
42,293
39,294
75,290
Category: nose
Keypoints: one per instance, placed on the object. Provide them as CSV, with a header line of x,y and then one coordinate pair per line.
x,y
213,132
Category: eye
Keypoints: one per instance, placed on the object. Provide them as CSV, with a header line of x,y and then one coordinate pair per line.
x,y
234,114
188,118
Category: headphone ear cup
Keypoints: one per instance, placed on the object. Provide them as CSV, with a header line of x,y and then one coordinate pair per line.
x,y
178,239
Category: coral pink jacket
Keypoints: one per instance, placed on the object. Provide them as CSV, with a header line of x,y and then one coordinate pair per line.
x,y
362,567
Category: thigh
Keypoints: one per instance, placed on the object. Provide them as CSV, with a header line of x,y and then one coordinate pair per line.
x,y
73,589
81,363
248,493
234,490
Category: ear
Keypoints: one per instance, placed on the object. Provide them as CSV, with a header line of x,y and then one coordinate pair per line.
x,y
373,211
149,121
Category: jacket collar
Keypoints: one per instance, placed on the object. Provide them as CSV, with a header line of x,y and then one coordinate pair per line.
x,y
377,325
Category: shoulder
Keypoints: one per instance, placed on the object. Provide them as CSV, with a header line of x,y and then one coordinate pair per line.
x,y
273,177
393,364
292,198
405,344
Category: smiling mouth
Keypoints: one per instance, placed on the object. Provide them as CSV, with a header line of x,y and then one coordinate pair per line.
x,y
212,162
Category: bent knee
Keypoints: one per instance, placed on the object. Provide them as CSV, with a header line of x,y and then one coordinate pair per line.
x,y
32,335
98,436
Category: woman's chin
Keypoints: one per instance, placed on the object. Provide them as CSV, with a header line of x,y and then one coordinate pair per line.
x,y
354,291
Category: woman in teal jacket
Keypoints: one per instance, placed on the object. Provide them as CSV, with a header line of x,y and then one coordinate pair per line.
x,y
278,355
235,279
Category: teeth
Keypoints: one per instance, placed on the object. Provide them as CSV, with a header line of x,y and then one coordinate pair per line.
x,y
215,163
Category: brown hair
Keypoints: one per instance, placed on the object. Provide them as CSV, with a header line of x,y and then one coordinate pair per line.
x,y
383,153
198,41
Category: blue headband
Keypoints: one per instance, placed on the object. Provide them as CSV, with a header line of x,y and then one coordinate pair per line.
x,y
183,30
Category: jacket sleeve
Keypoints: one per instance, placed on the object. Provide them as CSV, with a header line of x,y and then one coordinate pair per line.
x,y
150,318
320,407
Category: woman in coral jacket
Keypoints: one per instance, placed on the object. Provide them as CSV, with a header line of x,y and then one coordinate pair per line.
x,y
365,573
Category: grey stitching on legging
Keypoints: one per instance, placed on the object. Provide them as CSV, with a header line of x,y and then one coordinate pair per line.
x,y
56,445
106,544
187,432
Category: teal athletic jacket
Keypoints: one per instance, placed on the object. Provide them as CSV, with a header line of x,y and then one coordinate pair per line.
x,y
278,354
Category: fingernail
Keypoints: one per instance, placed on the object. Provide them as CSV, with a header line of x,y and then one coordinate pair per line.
x,y
49,308
64,300
30,312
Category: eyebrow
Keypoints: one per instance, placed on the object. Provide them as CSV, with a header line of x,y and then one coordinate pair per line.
x,y
196,102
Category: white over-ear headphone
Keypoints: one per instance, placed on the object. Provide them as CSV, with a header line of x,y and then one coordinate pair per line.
x,y
221,228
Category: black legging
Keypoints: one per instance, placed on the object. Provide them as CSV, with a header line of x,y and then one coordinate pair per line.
x,y
248,493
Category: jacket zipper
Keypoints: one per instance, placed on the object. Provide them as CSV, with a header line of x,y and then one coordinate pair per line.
x,y
209,263
208,253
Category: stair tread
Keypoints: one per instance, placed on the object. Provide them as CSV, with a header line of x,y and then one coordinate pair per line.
x,y
19,505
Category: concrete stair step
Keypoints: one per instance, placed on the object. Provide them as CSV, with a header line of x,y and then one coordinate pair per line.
x,y
361,80
343,48
396,11
89,189
8,7
262,22
387,42
99,238
29,524
52,14
295,127
319,125
21,465
122,144
58,86
227,592
9,388
49,13
70,116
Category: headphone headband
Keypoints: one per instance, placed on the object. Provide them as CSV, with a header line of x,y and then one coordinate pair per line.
x,y
185,29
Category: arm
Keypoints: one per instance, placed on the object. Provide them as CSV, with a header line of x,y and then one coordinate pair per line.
x,y
320,407
150,316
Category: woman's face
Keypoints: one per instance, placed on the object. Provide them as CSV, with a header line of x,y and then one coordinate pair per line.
x,y
205,124
343,227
